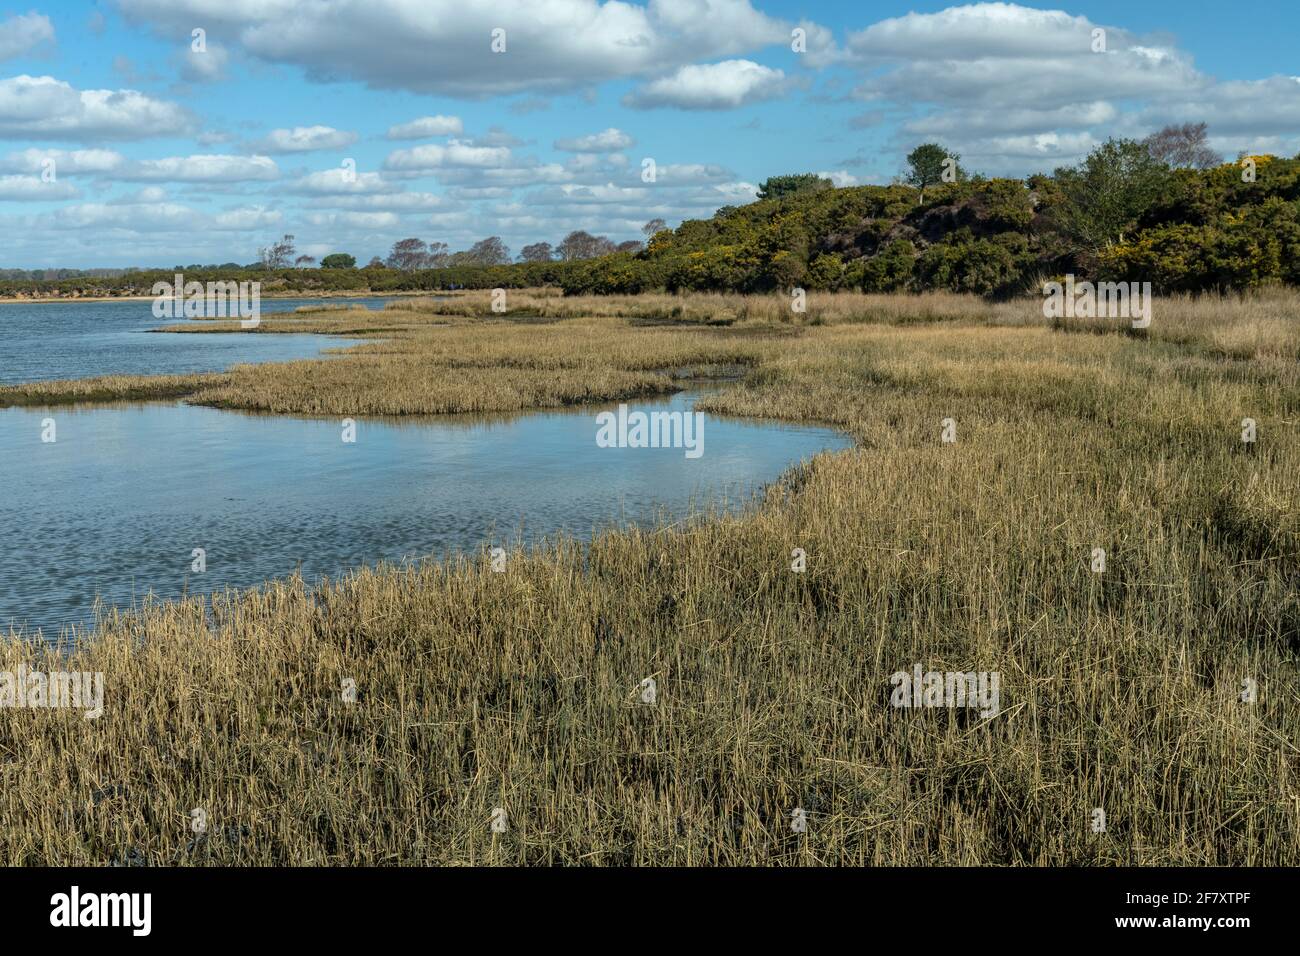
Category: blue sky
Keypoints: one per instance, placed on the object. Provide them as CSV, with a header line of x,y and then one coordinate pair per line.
x,y
121,144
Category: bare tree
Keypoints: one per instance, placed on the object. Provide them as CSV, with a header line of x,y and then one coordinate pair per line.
x,y
489,252
304,261
1183,147
277,255
583,245
652,227
632,245
437,255
537,252
408,255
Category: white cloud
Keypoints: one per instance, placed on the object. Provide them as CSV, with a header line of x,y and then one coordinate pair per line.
x,y
976,31
714,86
1021,89
551,46
340,182
609,141
204,66
202,169
840,177
303,139
356,220
246,218
41,107
149,194
386,202
142,218
65,162
689,174
426,127
21,34
455,154
33,189
1071,116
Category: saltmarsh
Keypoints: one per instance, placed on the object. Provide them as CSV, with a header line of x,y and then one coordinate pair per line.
x,y
1120,690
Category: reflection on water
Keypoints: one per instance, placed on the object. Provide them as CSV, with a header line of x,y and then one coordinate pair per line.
x,y
53,340
116,506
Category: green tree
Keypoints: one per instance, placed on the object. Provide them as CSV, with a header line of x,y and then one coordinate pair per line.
x,y
929,164
1105,195
777,186
338,260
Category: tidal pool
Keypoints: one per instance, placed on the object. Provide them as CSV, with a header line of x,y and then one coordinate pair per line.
x,y
117,504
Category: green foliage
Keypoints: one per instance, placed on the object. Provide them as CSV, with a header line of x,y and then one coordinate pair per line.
x,y
338,260
981,266
891,270
1256,247
927,166
1106,195
777,187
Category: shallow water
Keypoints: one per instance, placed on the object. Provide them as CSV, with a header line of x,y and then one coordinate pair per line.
x,y
117,504
53,340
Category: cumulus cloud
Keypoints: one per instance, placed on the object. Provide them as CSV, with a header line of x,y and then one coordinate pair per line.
x,y
204,66
426,127
149,194
609,141
202,169
305,139
689,174
1020,89
41,107
455,154
339,182
714,86
151,218
243,219
553,46
21,35
34,189
143,218
840,177
355,220
64,162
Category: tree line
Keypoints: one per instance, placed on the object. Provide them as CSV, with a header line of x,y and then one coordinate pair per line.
x,y
1166,209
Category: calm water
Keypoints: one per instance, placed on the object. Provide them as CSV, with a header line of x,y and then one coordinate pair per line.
x,y
117,504
43,341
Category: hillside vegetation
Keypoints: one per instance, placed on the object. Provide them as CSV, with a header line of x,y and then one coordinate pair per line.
x,y
1120,215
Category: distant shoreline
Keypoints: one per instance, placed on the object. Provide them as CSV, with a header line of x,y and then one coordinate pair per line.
x,y
47,300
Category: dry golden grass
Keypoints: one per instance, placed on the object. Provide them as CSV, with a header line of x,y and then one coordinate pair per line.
x,y
1120,690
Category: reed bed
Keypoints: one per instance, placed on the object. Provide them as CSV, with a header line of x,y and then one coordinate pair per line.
x,y
522,690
